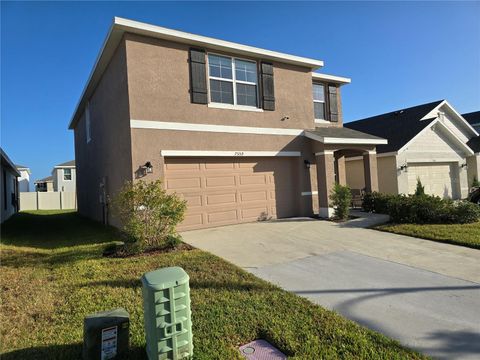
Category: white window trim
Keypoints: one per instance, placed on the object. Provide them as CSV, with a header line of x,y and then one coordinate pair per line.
x,y
234,81
320,121
71,175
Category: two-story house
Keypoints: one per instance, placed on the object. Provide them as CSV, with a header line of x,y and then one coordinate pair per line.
x,y
63,179
242,133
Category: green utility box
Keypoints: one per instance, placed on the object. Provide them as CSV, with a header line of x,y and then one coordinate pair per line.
x,y
166,304
105,335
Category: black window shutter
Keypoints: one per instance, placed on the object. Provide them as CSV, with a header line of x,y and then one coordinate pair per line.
x,y
198,76
332,99
268,93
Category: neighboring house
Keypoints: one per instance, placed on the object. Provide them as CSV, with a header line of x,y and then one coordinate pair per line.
x,y
9,187
64,177
473,162
44,185
429,142
242,133
24,179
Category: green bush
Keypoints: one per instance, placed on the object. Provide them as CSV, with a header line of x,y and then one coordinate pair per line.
x,y
341,198
149,215
420,189
421,209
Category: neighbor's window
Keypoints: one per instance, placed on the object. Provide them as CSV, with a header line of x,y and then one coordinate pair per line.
x,y
67,174
232,81
319,101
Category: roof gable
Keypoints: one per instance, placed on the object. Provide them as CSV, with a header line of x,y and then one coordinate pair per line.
x,y
398,127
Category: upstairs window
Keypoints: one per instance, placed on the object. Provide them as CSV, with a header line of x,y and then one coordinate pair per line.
x,y
319,101
325,103
232,81
67,174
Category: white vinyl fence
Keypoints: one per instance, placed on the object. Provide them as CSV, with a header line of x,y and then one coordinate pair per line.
x,y
51,200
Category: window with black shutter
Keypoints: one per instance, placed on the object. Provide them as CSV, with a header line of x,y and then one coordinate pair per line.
x,y
333,104
268,89
198,77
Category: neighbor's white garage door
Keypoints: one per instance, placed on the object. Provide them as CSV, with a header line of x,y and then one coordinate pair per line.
x,y
439,179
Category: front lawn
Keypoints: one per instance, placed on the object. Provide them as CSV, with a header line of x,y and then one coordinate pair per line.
x,y
53,274
458,234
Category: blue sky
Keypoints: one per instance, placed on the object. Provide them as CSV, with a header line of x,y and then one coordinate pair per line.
x,y
398,54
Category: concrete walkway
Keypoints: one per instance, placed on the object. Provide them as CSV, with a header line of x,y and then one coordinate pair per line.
x,y
423,293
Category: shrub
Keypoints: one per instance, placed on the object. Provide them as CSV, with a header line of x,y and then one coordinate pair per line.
x,y
465,212
341,197
376,202
420,189
421,209
149,215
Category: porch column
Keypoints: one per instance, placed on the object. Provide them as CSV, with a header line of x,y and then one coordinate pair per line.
x,y
341,174
370,170
325,181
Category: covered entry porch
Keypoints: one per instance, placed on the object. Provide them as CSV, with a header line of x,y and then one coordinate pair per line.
x,y
329,148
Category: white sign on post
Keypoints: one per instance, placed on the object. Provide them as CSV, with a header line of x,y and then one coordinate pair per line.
x,y
109,343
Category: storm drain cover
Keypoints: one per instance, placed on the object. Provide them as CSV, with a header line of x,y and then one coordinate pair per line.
x,y
261,350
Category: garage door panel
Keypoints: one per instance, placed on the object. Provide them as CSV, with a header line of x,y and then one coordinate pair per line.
x,y
183,183
221,199
253,179
255,213
222,216
182,165
217,181
192,200
222,191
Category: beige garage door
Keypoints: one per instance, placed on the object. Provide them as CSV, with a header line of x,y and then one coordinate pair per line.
x,y
222,191
439,179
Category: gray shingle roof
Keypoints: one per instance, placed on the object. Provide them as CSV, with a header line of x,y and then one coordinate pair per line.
x,y
342,132
473,117
46,179
68,163
398,127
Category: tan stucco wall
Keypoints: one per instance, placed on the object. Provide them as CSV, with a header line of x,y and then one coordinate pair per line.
x,y
159,83
108,154
387,174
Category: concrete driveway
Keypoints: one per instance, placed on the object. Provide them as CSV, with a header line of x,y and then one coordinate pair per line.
x,y
423,293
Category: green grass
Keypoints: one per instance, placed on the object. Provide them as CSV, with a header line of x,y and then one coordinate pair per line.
x,y
53,275
458,234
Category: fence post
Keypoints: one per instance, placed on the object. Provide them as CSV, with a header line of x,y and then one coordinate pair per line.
x,y
37,202
61,202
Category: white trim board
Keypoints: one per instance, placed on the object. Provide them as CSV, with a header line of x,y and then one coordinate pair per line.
x,y
332,140
331,78
164,125
434,114
213,153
